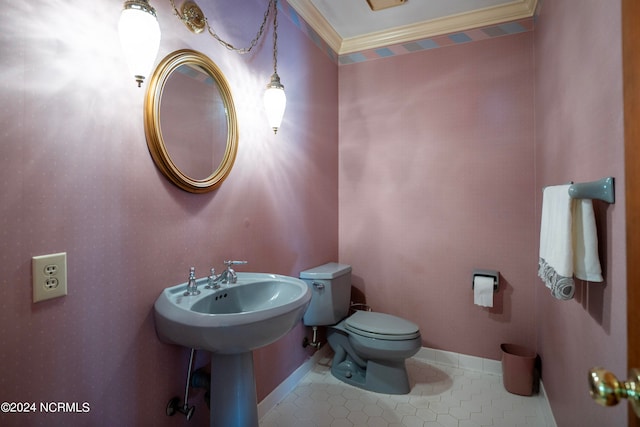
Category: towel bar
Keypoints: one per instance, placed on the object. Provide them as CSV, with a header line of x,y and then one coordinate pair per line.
x,y
600,190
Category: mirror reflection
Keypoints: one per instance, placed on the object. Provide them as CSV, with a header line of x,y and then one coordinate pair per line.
x,y
193,121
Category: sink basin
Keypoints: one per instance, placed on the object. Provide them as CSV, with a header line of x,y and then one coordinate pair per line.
x,y
236,318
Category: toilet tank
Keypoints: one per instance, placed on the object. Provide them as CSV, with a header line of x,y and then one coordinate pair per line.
x,y
330,286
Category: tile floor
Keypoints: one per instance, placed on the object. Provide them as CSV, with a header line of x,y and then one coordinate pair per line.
x,y
441,396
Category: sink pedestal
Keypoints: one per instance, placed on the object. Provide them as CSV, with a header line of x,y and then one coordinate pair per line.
x,y
233,391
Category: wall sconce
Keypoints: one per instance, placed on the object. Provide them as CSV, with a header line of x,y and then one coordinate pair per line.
x,y
274,97
139,36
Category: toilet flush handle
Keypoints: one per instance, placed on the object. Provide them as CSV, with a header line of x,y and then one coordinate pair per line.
x,y
319,286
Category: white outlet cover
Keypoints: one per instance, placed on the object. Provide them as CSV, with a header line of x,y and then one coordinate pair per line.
x,y
49,274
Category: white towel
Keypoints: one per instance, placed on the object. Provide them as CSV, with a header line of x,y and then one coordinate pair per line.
x,y
586,264
568,242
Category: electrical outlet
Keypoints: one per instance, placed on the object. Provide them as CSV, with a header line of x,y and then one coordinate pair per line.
x,y
49,276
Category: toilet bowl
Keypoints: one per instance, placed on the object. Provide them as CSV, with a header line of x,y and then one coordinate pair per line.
x,y
370,348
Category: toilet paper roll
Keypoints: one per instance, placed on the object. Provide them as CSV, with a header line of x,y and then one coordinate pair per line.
x,y
483,291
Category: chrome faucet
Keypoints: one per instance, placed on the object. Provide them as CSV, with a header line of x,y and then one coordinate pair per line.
x,y
229,275
192,286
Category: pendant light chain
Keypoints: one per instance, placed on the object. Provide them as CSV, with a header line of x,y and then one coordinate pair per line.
x,y
226,44
274,98
275,36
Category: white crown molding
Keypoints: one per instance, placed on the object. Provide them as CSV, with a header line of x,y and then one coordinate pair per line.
x,y
314,18
518,9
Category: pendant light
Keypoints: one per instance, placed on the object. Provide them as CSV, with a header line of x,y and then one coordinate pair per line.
x,y
139,36
275,100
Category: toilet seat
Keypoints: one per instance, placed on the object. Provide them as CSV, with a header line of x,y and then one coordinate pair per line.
x,y
381,326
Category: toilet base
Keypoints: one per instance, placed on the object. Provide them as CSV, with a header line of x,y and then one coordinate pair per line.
x,y
386,378
380,376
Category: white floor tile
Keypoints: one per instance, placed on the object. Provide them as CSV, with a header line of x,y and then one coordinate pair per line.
x,y
442,395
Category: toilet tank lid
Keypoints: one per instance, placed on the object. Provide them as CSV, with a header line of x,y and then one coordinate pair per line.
x,y
330,270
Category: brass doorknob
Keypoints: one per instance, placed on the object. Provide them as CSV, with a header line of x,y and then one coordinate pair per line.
x,y
608,391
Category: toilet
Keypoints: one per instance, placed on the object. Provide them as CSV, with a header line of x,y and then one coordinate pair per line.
x,y
370,348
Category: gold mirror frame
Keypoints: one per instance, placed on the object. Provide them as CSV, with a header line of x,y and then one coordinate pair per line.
x,y
153,132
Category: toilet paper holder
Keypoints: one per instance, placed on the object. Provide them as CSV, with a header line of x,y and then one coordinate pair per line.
x,y
495,275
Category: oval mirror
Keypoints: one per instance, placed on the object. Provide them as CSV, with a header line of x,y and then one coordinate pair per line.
x,y
190,121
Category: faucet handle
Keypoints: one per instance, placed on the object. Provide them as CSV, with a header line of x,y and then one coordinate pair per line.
x,y
212,280
230,263
192,286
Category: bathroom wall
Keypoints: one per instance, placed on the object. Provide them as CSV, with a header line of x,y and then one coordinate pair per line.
x,y
76,176
436,179
443,155
579,137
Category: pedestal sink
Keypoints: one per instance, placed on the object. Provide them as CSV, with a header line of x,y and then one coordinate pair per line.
x,y
231,322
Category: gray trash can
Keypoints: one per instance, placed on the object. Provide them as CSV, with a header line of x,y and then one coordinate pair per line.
x,y
518,369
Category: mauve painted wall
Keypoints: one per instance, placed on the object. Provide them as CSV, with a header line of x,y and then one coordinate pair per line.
x,y
436,179
76,176
579,137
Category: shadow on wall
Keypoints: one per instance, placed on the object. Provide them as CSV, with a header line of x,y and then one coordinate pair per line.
x,y
358,295
595,299
502,302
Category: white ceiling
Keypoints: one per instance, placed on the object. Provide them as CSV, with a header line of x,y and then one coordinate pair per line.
x,y
350,25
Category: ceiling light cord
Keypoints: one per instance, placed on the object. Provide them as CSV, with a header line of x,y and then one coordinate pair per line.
x,y
224,43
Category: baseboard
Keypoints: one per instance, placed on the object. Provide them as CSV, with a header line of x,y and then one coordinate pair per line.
x,y
545,408
285,387
458,360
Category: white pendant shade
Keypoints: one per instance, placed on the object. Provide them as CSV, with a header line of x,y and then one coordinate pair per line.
x,y
275,102
139,37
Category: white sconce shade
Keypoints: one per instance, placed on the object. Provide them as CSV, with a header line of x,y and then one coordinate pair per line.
x,y
275,102
139,36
